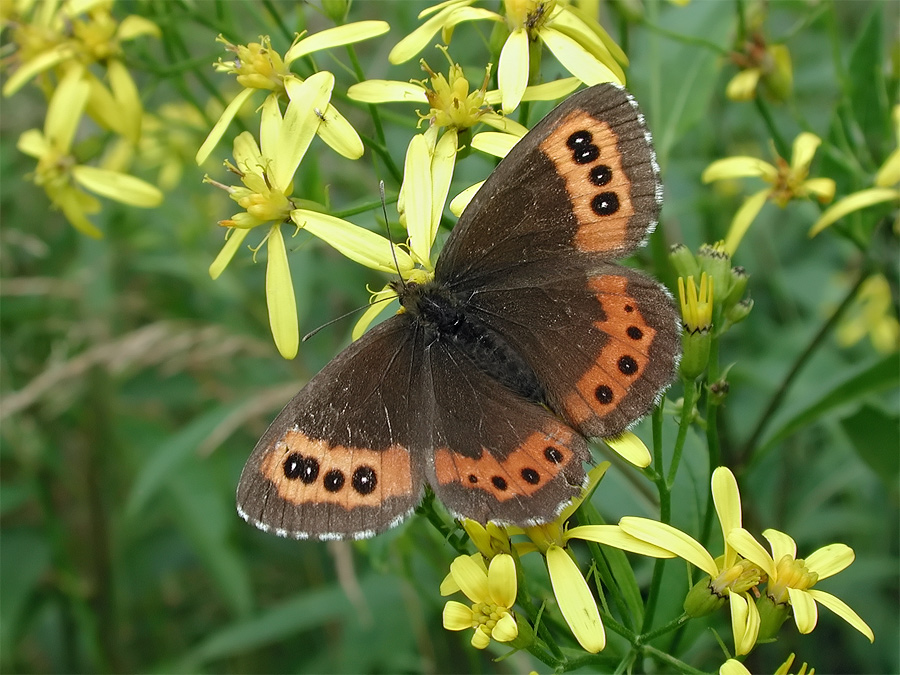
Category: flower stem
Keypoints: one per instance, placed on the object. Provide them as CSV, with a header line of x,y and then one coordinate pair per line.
x,y
687,409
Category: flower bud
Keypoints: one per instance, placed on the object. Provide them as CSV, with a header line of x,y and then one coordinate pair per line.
x,y
716,262
739,312
683,261
696,313
336,10
702,600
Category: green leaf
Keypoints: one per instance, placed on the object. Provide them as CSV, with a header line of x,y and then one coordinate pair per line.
x,y
24,558
172,452
874,436
882,375
868,95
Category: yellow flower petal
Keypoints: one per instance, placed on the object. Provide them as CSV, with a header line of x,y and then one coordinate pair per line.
x,y
576,59
733,667
743,219
134,26
375,308
804,149
442,164
481,638
506,629
227,253
417,195
416,41
65,109
829,560
127,97
218,130
502,580
74,212
43,62
854,202
32,143
727,500
630,448
512,72
742,87
280,296
822,188
384,91
339,134
457,616
738,167
459,203
335,37
804,608
357,243
781,544
744,543
575,600
744,623
471,578
118,186
613,535
494,143
672,539
300,124
841,608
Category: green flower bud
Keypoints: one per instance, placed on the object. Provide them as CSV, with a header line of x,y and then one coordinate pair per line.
x,y
684,262
771,616
336,10
716,262
702,600
739,279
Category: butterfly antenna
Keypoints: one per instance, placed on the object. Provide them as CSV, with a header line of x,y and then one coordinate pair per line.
x,y
344,316
387,227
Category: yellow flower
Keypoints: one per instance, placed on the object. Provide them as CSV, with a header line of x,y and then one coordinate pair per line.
x,y
761,63
787,181
576,602
735,667
872,313
492,592
884,190
730,578
258,67
696,316
791,579
58,171
451,103
76,35
576,40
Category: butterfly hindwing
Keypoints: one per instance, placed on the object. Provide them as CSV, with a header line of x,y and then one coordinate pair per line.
x,y
496,455
603,339
337,461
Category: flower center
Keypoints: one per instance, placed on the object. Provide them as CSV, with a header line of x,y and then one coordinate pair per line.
x,y
256,65
528,14
487,614
791,573
740,577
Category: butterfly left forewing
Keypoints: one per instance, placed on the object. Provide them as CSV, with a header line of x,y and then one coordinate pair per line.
x,y
336,462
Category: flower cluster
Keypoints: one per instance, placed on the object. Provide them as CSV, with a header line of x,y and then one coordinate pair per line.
x,y
69,50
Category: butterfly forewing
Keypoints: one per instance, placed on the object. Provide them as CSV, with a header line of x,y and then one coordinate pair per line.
x,y
584,180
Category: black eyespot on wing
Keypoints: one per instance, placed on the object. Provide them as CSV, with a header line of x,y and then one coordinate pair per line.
x,y
600,175
634,333
553,454
604,394
605,203
334,480
364,480
627,365
531,476
499,482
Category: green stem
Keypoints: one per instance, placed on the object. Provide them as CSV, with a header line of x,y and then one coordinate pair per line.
x,y
687,410
781,145
674,624
677,664
745,456
653,594
712,431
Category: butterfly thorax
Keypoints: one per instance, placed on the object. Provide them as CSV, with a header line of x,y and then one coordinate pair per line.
x,y
444,317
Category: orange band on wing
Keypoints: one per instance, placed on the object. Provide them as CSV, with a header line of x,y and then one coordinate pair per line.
x,y
525,470
585,153
312,471
623,358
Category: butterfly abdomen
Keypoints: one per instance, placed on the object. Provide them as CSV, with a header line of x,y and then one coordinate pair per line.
x,y
443,317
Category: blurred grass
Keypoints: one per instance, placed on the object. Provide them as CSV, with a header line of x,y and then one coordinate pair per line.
x,y
133,386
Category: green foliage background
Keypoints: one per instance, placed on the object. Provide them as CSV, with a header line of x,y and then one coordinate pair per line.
x,y
133,386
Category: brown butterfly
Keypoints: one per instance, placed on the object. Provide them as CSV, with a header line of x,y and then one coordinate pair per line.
x,y
529,339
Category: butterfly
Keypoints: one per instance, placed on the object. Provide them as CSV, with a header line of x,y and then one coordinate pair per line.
x,y
529,340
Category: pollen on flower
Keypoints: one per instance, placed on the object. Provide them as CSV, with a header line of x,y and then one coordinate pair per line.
x,y
791,573
256,65
451,103
738,578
